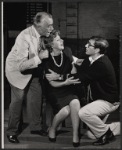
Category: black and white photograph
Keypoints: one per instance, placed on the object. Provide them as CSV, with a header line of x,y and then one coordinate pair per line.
x,y
60,74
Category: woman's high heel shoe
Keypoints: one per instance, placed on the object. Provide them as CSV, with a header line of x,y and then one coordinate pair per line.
x,y
52,139
76,144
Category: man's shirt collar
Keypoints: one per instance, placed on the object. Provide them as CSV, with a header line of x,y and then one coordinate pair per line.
x,y
93,60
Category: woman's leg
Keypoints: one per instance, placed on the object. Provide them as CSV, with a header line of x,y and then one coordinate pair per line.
x,y
74,108
58,118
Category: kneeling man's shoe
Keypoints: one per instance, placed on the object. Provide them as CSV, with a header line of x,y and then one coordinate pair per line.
x,y
12,138
104,139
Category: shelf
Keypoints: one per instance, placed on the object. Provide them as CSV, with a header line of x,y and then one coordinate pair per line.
x,y
72,5
71,15
33,8
71,24
71,20
71,33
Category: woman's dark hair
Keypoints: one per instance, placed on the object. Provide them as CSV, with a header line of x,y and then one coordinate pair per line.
x,y
48,40
100,43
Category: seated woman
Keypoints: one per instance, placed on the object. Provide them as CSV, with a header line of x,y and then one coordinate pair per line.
x,y
60,92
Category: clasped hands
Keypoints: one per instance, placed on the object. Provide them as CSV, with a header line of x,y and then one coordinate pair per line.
x,y
71,80
54,76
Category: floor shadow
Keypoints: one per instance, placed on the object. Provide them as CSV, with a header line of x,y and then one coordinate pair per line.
x,y
62,132
22,127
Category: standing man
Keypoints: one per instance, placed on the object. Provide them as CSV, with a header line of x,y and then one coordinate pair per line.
x,y
21,64
98,72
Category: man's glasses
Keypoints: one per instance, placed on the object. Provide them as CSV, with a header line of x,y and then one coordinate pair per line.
x,y
89,44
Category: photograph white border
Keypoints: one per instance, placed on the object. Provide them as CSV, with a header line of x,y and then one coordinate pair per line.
x,y
2,79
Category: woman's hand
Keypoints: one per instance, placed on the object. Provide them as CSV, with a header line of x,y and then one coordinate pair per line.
x,y
71,80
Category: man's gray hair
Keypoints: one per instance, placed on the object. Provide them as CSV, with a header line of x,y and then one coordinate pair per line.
x,y
39,16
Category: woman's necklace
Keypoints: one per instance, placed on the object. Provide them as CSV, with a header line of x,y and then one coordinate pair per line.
x,y
56,62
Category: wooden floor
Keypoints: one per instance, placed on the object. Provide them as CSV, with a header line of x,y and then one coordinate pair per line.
x,y
64,140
